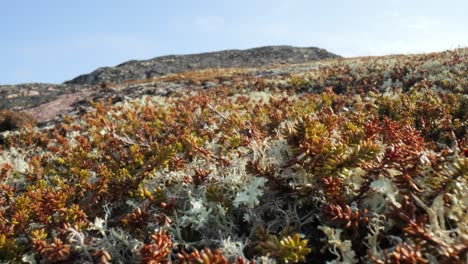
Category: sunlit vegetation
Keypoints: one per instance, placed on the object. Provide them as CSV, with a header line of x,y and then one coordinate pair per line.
x,y
350,161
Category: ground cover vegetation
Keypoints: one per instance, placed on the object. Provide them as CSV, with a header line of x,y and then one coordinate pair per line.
x,y
359,160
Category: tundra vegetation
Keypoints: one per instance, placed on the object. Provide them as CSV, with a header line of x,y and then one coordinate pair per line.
x,y
360,160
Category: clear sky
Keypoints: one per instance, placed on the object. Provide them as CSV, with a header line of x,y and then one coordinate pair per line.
x,y
56,40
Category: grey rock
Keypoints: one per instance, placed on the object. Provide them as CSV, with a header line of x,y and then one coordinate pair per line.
x,y
29,95
147,69
209,84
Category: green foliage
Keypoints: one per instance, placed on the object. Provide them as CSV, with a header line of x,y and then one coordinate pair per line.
x,y
288,249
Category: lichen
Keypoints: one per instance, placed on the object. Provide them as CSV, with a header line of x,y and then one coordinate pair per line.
x,y
342,161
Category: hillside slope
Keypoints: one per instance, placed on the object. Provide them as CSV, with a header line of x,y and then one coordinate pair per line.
x,y
361,160
444,71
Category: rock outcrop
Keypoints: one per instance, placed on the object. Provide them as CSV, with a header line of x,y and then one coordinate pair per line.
x,y
28,95
147,69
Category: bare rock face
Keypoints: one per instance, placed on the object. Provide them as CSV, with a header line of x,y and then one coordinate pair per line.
x,y
146,69
23,96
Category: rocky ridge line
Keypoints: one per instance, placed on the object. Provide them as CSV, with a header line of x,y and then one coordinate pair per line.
x,y
159,66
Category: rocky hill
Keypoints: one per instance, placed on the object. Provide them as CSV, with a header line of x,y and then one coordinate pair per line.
x,y
146,69
47,101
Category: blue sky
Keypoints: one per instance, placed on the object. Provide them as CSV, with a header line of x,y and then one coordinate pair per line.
x,y
56,40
